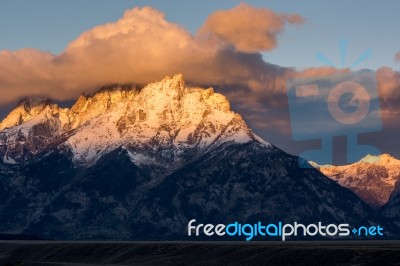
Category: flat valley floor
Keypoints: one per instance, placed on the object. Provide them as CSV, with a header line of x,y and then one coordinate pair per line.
x,y
199,253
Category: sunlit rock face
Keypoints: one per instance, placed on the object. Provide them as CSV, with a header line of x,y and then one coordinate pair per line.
x,y
164,115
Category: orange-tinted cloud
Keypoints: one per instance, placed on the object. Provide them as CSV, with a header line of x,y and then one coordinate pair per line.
x,y
24,72
388,83
397,57
247,28
142,47
318,71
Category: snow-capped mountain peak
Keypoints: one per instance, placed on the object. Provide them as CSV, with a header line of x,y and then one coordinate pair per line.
x,y
165,115
383,159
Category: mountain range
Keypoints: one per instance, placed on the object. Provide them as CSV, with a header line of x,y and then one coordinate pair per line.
x,y
373,178
137,163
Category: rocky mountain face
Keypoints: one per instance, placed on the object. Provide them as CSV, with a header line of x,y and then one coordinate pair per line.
x,y
373,178
164,119
138,163
392,208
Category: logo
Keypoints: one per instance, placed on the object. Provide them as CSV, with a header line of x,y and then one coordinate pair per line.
x,y
345,103
280,230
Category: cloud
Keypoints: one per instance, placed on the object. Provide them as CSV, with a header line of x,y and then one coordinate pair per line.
x,y
247,28
22,71
397,57
388,83
318,72
142,47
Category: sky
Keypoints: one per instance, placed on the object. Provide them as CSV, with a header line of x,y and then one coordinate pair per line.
x,y
246,50
50,25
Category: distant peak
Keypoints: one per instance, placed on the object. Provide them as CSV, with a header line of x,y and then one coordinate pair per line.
x,y
316,165
387,156
370,159
379,159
